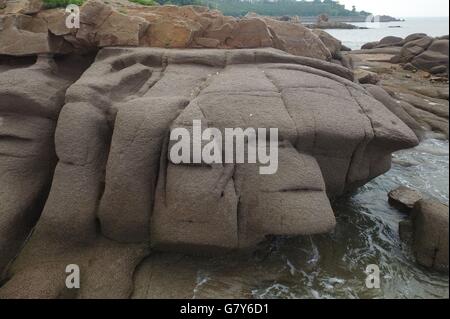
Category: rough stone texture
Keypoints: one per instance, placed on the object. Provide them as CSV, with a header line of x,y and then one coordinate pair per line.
x,y
413,48
381,95
31,97
370,45
20,6
366,77
413,37
333,44
102,25
297,40
390,41
115,193
404,198
436,55
27,35
430,234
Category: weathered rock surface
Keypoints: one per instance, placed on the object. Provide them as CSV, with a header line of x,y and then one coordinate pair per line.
x,y
418,92
424,52
366,77
115,193
435,56
101,25
31,97
430,220
323,22
389,41
404,198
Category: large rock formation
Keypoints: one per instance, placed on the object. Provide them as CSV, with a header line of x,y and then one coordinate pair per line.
x,y
103,25
115,194
31,97
423,52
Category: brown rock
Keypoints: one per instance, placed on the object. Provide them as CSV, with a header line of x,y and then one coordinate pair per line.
x,y
173,33
370,45
366,77
56,21
21,6
414,37
390,41
207,42
436,55
404,198
250,33
113,168
26,35
430,220
333,44
121,30
297,39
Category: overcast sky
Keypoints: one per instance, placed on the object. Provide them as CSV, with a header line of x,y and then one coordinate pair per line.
x,y
402,8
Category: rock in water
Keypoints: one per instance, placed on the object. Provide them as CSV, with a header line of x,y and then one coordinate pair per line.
x,y
404,198
430,234
115,193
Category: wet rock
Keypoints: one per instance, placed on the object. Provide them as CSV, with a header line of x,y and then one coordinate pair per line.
x,y
430,220
404,198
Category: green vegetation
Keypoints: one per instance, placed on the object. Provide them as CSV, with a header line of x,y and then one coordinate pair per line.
x,y
242,7
49,4
274,7
144,2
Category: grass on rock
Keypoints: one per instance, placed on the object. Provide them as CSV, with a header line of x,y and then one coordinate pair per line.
x,y
49,4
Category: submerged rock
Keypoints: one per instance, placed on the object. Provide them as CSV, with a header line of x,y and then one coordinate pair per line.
x,y
115,193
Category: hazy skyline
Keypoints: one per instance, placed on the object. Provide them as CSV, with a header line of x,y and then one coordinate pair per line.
x,y
402,8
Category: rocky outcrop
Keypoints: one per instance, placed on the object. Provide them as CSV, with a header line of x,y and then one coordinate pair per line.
x,y
31,98
404,198
427,233
430,221
434,59
324,22
389,41
28,32
421,51
414,74
115,193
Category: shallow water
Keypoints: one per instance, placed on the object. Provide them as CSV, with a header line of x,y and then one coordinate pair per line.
x,y
333,266
354,39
